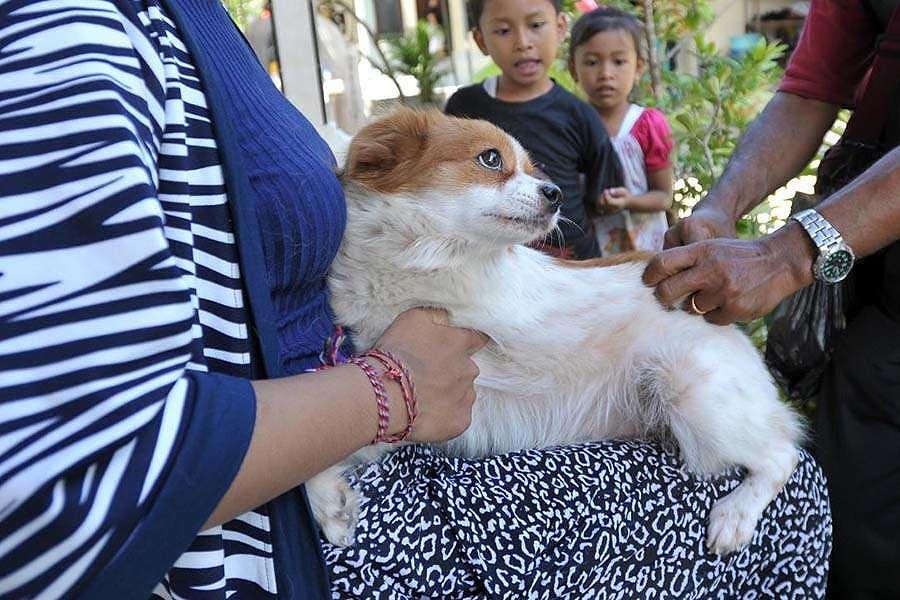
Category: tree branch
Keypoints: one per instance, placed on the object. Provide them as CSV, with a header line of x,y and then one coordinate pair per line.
x,y
653,57
385,68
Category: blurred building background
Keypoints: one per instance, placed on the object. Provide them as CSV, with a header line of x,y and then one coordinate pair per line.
x,y
328,56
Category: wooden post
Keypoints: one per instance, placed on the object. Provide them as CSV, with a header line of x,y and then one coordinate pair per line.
x,y
298,57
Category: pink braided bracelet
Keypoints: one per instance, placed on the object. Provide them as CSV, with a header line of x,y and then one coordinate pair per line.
x,y
381,398
397,371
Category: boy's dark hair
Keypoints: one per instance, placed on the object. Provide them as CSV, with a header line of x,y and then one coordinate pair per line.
x,y
476,7
606,19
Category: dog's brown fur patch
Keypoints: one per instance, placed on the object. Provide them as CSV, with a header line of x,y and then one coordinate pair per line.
x,y
423,149
607,261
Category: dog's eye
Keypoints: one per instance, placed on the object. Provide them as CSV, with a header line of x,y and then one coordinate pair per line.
x,y
491,159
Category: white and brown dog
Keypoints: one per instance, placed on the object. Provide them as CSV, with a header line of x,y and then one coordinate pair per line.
x,y
438,211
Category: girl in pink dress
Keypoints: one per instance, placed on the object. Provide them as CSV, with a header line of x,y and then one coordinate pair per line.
x,y
606,61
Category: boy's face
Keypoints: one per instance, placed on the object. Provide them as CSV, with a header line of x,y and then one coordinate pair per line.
x,y
522,36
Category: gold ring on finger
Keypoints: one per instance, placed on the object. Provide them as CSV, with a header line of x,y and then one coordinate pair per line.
x,y
694,306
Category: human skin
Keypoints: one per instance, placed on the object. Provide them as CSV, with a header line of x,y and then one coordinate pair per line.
x,y
740,280
522,37
306,423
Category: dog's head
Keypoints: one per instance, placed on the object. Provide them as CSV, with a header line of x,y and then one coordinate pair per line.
x,y
457,179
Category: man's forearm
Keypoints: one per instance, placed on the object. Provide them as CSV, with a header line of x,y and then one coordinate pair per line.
x,y
775,148
867,212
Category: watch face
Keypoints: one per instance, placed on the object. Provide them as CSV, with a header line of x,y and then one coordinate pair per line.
x,y
836,266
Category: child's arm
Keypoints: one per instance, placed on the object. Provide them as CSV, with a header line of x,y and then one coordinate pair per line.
x,y
657,198
654,135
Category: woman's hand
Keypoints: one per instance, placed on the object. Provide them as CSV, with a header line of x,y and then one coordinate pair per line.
x,y
702,224
733,280
439,359
612,200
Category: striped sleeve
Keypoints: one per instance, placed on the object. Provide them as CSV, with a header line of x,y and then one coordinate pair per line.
x,y
110,449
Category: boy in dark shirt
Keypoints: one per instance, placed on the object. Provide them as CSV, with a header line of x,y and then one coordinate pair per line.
x,y
563,135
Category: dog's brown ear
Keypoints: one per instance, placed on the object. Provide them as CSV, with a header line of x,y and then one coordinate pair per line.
x,y
382,153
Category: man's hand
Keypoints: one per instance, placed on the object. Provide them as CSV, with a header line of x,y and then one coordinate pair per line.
x,y
733,280
702,224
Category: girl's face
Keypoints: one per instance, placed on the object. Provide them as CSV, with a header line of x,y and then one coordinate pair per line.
x,y
606,67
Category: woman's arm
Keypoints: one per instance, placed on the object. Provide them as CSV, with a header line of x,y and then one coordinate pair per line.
x,y
106,433
306,423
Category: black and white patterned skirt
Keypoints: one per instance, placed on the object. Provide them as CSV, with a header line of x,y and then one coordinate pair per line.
x,y
611,520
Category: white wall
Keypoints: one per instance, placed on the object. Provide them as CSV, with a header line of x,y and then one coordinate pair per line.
x,y
733,17
410,14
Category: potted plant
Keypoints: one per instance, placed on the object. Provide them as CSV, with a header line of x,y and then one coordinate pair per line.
x,y
411,54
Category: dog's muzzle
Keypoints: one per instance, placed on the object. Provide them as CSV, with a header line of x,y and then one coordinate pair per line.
x,y
551,197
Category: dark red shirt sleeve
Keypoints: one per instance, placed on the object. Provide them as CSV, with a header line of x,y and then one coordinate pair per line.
x,y
834,52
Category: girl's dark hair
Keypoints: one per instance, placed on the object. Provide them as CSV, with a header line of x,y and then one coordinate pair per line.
x,y
476,7
606,19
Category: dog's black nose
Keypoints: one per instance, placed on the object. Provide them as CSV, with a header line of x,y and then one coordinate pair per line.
x,y
552,197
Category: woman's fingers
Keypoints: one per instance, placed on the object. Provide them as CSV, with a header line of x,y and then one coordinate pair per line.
x,y
439,316
472,340
439,356
477,341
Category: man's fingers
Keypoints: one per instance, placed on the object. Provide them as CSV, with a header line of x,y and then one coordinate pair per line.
x,y
720,316
703,301
672,238
682,285
668,263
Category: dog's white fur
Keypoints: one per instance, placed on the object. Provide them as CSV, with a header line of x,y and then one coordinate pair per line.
x,y
577,354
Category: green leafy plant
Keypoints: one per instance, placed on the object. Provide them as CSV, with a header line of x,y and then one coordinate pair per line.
x,y
711,109
410,54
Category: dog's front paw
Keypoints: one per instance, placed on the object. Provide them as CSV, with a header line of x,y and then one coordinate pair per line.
x,y
335,506
731,525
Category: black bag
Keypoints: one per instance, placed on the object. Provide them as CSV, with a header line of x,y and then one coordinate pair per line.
x,y
802,327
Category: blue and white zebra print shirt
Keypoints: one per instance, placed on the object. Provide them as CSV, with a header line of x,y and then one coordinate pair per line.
x,y
120,297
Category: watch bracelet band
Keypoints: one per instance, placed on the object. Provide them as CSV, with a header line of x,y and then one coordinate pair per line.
x,y
823,234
